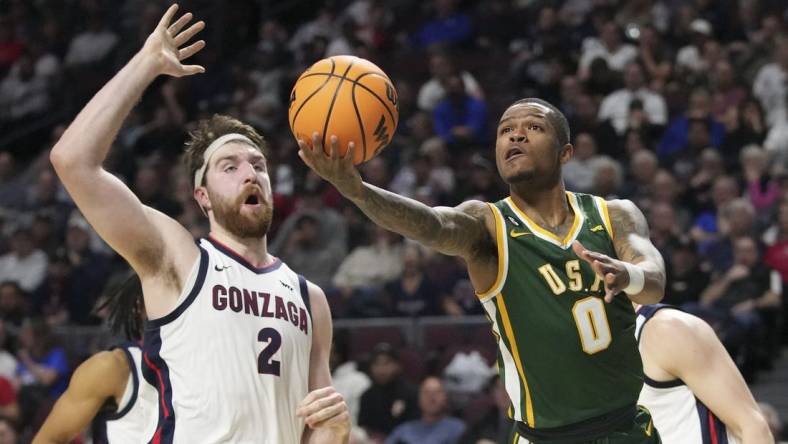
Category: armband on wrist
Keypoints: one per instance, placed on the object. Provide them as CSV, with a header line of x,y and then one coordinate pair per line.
x,y
637,279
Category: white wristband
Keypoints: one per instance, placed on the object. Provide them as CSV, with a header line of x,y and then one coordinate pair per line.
x,y
637,279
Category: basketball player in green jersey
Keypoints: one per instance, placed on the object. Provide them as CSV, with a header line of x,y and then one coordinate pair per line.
x,y
555,272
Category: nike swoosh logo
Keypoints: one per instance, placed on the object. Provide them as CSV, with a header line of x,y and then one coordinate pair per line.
x,y
217,268
598,228
515,234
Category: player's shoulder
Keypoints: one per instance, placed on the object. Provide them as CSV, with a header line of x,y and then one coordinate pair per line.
x,y
102,373
672,323
475,208
621,205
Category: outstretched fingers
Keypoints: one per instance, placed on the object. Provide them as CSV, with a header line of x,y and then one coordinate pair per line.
x,y
168,15
190,32
176,27
190,50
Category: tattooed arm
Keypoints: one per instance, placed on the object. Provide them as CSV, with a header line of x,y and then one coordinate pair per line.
x,y
633,246
460,231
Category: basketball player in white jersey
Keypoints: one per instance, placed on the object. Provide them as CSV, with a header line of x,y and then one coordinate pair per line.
x,y
236,343
692,388
109,386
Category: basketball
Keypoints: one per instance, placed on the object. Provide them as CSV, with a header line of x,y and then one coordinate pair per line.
x,y
347,97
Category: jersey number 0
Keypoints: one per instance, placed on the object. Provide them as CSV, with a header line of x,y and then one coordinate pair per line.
x,y
591,322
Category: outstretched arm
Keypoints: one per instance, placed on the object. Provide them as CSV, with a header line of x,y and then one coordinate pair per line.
x,y
101,377
634,249
137,232
687,348
458,231
324,409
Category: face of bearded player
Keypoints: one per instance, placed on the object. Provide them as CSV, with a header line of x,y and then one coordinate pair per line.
x,y
239,190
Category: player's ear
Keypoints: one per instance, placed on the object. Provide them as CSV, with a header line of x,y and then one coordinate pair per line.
x,y
201,196
566,152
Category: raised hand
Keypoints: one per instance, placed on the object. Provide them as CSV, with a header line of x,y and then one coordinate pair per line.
x,y
612,271
325,408
165,42
333,167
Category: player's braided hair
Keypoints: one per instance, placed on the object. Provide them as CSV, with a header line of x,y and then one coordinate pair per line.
x,y
125,308
211,129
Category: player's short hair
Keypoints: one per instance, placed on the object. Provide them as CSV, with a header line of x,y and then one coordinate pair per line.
x,y
556,118
211,129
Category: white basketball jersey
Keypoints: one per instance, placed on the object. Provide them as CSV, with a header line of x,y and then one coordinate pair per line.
x,y
678,415
231,362
135,419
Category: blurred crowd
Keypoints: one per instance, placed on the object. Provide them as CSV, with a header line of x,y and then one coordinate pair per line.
x,y
680,106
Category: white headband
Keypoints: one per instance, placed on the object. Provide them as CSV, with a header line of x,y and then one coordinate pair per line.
x,y
215,145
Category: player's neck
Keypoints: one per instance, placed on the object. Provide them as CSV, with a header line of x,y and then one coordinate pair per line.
x,y
254,250
547,207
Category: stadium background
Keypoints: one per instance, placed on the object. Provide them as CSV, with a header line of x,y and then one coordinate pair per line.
x,y
677,105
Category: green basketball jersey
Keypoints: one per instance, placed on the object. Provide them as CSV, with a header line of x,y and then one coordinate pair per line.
x,y
565,355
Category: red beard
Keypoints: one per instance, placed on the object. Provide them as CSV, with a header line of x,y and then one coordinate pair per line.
x,y
244,224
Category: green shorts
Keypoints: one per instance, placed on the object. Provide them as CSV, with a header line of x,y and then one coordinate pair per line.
x,y
642,431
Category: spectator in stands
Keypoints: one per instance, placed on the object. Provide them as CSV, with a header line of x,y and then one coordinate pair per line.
x,y
578,174
733,299
608,177
676,137
770,84
735,219
88,270
346,377
43,368
664,230
609,47
585,121
44,195
655,56
9,407
727,93
13,304
414,293
745,125
8,362
8,434
494,426
686,278
24,264
364,271
643,167
11,47
690,58
390,400
762,189
724,189
149,188
313,238
618,106
94,44
434,424
448,26
442,65
459,118
24,94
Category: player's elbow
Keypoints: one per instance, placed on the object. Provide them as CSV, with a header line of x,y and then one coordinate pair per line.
x,y
752,429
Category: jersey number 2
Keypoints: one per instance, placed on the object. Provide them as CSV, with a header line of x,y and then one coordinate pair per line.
x,y
266,365
591,322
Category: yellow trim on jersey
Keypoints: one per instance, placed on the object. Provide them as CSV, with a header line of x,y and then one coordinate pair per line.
x,y
547,235
503,255
605,215
507,328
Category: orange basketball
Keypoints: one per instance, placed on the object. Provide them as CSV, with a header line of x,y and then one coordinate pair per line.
x,y
347,97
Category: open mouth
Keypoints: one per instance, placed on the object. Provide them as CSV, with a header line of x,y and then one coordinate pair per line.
x,y
513,152
252,200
